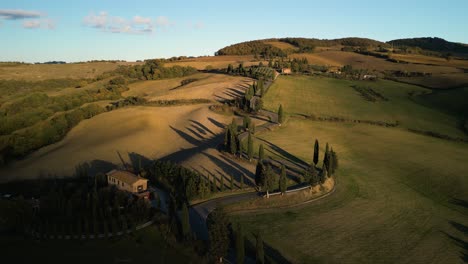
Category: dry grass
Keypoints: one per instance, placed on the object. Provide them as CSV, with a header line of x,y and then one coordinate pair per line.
x,y
422,59
149,131
56,71
282,45
216,62
340,58
209,86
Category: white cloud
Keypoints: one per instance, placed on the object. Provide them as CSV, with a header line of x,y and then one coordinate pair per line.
x,y
141,20
115,24
32,24
10,14
96,21
39,23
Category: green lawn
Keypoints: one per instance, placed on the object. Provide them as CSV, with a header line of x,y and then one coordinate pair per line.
x,y
394,201
333,97
147,246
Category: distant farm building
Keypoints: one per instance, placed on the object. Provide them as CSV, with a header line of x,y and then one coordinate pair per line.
x,y
286,71
369,77
129,182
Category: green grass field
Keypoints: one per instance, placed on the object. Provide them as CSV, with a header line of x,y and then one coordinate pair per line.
x,y
333,97
400,198
394,198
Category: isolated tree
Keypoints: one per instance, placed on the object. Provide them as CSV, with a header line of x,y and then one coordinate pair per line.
x,y
222,184
314,179
185,222
250,147
260,174
316,152
233,145
282,180
227,138
269,178
261,153
240,245
229,68
334,158
260,87
330,163
280,114
218,234
234,125
326,156
242,181
260,254
246,122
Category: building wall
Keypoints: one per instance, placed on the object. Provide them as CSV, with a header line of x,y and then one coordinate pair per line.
x,y
142,183
127,187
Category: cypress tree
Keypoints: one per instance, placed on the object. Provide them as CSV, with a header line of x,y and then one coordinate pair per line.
x,y
242,182
316,152
250,147
260,175
233,145
185,222
280,114
313,176
282,181
234,126
334,159
326,156
240,247
218,234
227,137
231,183
306,175
330,163
222,184
261,153
260,254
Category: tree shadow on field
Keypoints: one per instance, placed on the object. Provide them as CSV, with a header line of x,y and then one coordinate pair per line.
x,y
216,123
459,202
286,155
138,161
459,241
270,252
98,166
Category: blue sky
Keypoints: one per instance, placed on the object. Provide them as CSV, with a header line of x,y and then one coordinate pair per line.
x,y
121,29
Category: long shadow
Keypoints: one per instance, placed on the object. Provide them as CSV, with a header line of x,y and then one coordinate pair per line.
x,y
228,168
216,123
186,136
99,166
196,134
459,202
138,161
270,252
235,91
286,154
459,241
201,126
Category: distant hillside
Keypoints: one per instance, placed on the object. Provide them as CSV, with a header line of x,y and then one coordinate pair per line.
x,y
264,47
432,44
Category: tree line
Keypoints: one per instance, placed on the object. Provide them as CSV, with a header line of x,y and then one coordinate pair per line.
x,y
154,70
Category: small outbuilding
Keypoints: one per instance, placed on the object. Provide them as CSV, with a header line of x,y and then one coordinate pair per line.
x,y
286,71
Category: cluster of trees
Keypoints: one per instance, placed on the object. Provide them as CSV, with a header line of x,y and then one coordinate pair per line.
x,y
430,44
221,233
18,87
19,144
35,107
256,47
154,70
79,206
